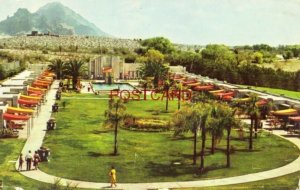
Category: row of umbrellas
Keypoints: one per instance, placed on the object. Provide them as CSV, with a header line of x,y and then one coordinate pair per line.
x,y
34,97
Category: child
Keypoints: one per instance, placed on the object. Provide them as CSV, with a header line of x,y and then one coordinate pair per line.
x,y
21,161
113,177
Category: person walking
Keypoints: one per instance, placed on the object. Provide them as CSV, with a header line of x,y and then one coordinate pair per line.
x,y
36,160
21,161
28,159
113,177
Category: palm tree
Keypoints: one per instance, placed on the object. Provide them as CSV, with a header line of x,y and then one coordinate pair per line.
x,y
215,130
75,68
253,111
167,86
179,88
114,116
58,68
189,119
228,121
204,116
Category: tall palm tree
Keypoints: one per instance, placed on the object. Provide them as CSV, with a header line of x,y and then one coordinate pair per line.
x,y
167,86
58,68
228,121
75,68
203,118
253,111
215,130
189,118
179,88
114,116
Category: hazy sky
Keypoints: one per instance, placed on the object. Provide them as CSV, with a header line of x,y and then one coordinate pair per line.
x,y
232,22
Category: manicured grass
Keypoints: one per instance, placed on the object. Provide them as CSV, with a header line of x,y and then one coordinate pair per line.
x,y
81,148
9,151
285,182
287,93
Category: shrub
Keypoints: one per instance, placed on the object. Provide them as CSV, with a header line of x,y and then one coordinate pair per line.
x,y
8,133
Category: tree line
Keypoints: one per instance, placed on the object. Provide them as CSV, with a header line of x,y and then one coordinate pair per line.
x,y
238,65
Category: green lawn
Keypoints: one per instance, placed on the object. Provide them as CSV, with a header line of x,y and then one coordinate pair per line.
x,y
276,91
9,151
287,182
81,148
292,65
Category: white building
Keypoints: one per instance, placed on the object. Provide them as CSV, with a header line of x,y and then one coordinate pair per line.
x,y
100,67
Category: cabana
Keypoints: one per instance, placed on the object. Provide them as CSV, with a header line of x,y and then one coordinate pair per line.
x,y
36,89
286,112
227,98
242,100
40,85
9,117
216,91
13,110
28,102
193,84
179,78
262,102
204,87
222,94
37,98
44,82
189,82
295,119
34,93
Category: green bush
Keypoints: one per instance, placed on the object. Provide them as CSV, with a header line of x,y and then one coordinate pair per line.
x,y
8,133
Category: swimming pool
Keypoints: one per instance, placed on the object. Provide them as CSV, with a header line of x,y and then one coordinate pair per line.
x,y
120,86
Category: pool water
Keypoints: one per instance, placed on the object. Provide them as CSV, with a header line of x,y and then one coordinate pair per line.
x,y
99,86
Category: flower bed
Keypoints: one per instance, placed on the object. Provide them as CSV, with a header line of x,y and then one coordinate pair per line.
x,y
148,125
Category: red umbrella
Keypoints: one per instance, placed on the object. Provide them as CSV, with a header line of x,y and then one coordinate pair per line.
x,y
8,116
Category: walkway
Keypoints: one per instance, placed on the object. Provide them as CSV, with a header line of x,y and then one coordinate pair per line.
x,y
38,133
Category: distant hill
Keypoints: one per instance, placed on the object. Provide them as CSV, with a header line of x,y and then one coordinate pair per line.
x,y
53,17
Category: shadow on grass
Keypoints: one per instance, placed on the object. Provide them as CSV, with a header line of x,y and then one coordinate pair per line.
x,y
151,110
180,138
97,132
239,139
170,170
98,154
190,156
243,150
291,135
210,168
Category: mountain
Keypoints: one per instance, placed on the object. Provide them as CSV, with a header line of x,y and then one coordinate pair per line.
x,y
53,17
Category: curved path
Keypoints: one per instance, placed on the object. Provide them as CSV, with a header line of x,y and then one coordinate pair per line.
x,y
38,132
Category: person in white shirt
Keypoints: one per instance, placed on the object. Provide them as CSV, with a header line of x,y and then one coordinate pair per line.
x,y
28,159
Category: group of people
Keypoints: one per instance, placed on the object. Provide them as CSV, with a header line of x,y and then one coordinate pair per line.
x,y
30,160
35,159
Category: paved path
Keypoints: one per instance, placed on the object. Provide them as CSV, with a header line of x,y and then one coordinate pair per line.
x,y
38,133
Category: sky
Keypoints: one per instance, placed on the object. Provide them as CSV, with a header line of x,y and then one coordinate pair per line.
x,y
231,22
